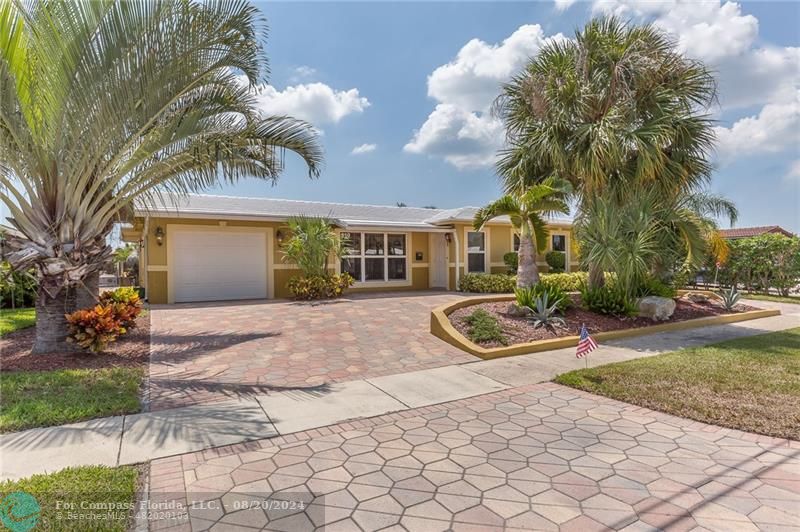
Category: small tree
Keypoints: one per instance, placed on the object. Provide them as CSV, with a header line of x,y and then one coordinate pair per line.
x,y
527,208
119,258
763,262
312,244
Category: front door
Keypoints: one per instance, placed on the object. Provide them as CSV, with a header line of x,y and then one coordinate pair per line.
x,y
438,265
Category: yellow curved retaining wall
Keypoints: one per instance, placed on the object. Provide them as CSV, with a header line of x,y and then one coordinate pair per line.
x,y
442,328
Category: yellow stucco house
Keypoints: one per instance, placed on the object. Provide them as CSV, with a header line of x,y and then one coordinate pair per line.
x,y
211,248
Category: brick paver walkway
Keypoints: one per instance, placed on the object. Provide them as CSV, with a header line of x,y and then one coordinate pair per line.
x,y
542,457
206,352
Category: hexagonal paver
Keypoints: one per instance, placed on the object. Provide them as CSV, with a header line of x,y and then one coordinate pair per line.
x,y
532,458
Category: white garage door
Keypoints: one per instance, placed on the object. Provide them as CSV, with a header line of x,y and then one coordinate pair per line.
x,y
218,265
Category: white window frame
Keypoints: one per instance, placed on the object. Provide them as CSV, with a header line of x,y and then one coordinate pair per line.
x,y
485,251
362,256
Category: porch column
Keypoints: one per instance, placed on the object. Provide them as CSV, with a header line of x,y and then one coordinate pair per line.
x,y
458,258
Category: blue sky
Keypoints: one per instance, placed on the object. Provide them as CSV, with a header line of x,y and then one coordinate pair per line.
x,y
410,83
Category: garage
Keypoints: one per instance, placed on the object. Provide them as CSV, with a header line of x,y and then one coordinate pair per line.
x,y
210,265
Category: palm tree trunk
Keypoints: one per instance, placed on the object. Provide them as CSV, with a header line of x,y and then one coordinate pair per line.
x,y
596,276
51,325
87,295
527,272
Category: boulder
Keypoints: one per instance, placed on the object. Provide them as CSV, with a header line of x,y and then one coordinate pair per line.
x,y
518,311
656,308
696,297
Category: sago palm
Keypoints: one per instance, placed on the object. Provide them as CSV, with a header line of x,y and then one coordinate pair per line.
x,y
618,106
106,103
527,207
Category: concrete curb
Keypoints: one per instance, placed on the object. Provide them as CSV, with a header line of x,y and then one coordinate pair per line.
x,y
443,329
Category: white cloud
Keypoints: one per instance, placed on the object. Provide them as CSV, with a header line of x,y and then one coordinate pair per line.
x,y
315,102
794,171
472,80
463,138
303,73
460,129
364,148
563,5
706,29
774,129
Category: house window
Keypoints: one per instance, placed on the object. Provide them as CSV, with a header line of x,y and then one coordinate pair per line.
x,y
375,257
476,252
559,243
516,242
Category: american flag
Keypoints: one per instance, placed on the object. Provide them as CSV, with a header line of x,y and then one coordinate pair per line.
x,y
586,344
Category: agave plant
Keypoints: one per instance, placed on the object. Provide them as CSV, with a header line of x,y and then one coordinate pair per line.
x,y
107,103
730,298
545,313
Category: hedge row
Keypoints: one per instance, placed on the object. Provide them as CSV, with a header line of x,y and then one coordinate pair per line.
x,y
500,283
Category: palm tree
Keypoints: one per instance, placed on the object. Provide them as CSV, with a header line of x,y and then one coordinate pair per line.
x,y
312,243
527,207
641,235
107,103
617,107
120,257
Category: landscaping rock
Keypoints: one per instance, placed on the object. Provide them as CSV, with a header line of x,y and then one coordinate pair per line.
x,y
656,308
696,297
518,312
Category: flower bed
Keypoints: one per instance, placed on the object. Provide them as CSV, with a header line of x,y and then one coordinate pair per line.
x,y
131,350
519,330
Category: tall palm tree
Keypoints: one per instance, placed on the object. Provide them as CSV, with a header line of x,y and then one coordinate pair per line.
x,y
618,107
527,208
104,103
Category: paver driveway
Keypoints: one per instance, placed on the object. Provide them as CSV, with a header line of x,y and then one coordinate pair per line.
x,y
541,457
204,352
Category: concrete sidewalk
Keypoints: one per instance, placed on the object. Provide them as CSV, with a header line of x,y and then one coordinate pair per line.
x,y
141,437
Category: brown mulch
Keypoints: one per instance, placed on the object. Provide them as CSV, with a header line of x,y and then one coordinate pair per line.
x,y
520,330
130,350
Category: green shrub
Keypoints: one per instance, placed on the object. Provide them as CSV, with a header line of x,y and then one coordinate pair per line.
x,y
511,259
311,243
125,303
319,286
483,327
17,288
762,262
607,300
488,283
568,282
655,287
527,297
556,260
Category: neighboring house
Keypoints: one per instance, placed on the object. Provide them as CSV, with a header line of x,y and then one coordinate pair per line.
x,y
747,232
208,248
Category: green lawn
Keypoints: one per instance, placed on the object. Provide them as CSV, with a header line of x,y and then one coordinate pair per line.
x,y
776,299
12,320
43,398
751,384
80,486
